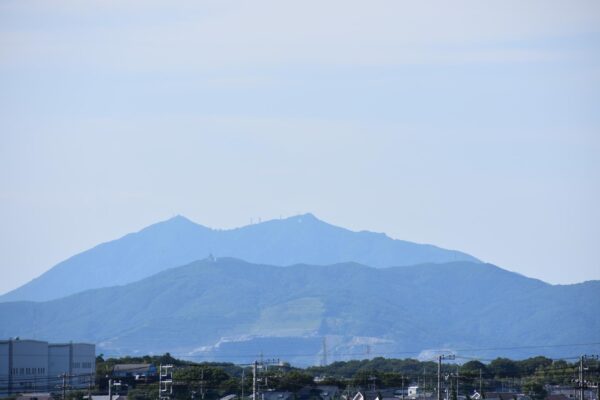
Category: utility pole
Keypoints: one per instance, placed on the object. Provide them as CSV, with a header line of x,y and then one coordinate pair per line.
x,y
110,384
64,386
439,374
373,386
202,383
581,378
243,376
439,382
90,387
263,365
403,387
254,367
480,381
457,377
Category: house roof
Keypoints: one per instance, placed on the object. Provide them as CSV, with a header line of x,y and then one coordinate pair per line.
x,y
500,395
277,395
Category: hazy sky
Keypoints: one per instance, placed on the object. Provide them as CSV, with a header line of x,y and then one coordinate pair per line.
x,y
470,125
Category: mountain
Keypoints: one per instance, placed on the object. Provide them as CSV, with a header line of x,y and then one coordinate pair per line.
x,y
178,241
228,309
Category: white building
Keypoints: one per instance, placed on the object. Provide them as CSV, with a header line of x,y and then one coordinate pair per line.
x,y
414,392
36,366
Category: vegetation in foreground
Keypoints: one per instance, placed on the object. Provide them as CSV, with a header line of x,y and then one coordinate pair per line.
x,y
212,380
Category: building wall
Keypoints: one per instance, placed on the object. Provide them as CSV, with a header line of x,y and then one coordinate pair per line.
x,y
83,365
29,365
78,360
36,366
59,360
4,368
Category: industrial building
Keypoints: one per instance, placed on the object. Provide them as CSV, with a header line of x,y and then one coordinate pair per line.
x,y
37,366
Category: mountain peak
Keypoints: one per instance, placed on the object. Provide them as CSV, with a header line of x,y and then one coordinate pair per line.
x,y
177,241
178,218
177,223
308,217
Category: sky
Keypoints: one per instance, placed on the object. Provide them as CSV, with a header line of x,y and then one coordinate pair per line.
x,y
470,125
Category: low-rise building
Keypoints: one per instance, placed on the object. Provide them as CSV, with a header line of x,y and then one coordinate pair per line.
x,y
414,391
572,393
138,371
35,396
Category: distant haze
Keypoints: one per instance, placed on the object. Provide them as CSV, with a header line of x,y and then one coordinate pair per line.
x,y
302,239
468,125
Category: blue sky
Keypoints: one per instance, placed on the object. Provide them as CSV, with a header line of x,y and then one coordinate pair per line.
x,y
469,125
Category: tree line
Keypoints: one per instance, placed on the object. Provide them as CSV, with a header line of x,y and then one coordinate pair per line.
x,y
211,380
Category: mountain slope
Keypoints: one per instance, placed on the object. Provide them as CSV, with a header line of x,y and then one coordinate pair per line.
x,y
300,239
229,309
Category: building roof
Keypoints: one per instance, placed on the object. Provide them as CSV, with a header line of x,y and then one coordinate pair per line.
x,y
34,396
500,395
329,388
17,339
106,397
120,367
557,397
276,395
130,367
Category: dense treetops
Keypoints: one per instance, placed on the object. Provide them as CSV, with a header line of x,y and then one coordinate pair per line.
x,y
216,379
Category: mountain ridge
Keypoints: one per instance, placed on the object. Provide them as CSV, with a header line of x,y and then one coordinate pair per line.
x,y
230,309
178,240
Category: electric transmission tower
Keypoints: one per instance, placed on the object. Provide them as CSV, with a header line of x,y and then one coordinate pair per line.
x,y
581,382
439,372
165,382
262,365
